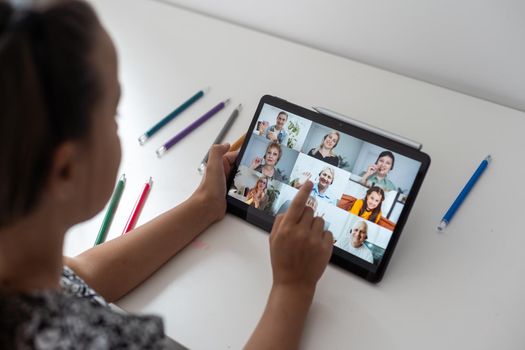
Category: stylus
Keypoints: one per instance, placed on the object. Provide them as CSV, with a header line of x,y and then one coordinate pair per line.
x,y
463,194
369,127
221,135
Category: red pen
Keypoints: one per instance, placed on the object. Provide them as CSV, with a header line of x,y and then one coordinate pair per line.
x,y
138,207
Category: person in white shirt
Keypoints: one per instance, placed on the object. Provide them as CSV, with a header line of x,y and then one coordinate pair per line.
x,y
355,244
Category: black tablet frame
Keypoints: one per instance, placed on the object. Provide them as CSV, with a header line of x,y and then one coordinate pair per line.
x,y
339,256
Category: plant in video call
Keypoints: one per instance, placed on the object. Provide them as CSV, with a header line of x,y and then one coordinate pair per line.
x,y
293,131
237,173
272,194
343,163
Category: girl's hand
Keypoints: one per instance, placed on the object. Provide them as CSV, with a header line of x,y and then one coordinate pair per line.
x,y
212,190
299,247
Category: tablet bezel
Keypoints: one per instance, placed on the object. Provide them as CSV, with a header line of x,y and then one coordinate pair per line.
x,y
339,256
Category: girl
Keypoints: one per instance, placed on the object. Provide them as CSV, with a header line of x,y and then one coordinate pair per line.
x,y
369,208
60,154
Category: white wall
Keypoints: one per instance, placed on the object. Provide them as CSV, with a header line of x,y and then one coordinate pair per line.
x,y
473,46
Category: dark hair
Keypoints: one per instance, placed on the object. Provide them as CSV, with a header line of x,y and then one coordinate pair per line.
x,y
283,113
388,154
48,87
377,210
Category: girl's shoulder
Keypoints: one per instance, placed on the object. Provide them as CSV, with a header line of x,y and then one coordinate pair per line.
x,y
52,318
69,319
359,203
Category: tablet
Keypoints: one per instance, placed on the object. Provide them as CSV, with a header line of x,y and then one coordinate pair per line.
x,y
365,180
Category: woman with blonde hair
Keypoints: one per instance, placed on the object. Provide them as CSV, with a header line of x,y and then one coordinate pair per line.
x,y
257,196
325,151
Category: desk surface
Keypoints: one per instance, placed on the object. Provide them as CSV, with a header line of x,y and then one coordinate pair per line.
x,y
459,289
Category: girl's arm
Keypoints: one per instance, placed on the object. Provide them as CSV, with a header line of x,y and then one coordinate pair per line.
x,y
117,266
299,251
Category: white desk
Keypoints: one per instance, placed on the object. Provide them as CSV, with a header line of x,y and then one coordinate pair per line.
x,y
460,289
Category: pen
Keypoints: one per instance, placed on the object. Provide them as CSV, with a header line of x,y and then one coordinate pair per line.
x,y
463,194
135,213
191,127
220,136
172,115
113,203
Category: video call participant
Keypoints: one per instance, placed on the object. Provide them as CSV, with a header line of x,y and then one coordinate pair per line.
x,y
377,174
369,208
355,245
276,133
325,151
326,178
257,196
271,158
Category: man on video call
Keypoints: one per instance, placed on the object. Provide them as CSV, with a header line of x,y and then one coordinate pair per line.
x,y
276,132
355,245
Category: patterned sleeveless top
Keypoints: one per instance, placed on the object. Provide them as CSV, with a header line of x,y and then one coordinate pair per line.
x,y
76,317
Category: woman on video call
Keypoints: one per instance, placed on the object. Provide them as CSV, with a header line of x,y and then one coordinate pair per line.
x,y
377,173
257,196
271,158
325,151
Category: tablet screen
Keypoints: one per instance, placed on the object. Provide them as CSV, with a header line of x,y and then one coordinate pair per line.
x,y
360,187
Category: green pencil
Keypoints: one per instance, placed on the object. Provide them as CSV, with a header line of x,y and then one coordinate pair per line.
x,y
113,203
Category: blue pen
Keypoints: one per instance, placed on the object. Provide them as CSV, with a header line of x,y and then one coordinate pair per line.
x,y
463,194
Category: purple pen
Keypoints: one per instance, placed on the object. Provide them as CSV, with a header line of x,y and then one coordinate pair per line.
x,y
191,127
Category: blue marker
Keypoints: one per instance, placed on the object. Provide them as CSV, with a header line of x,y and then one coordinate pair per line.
x,y
172,115
463,194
